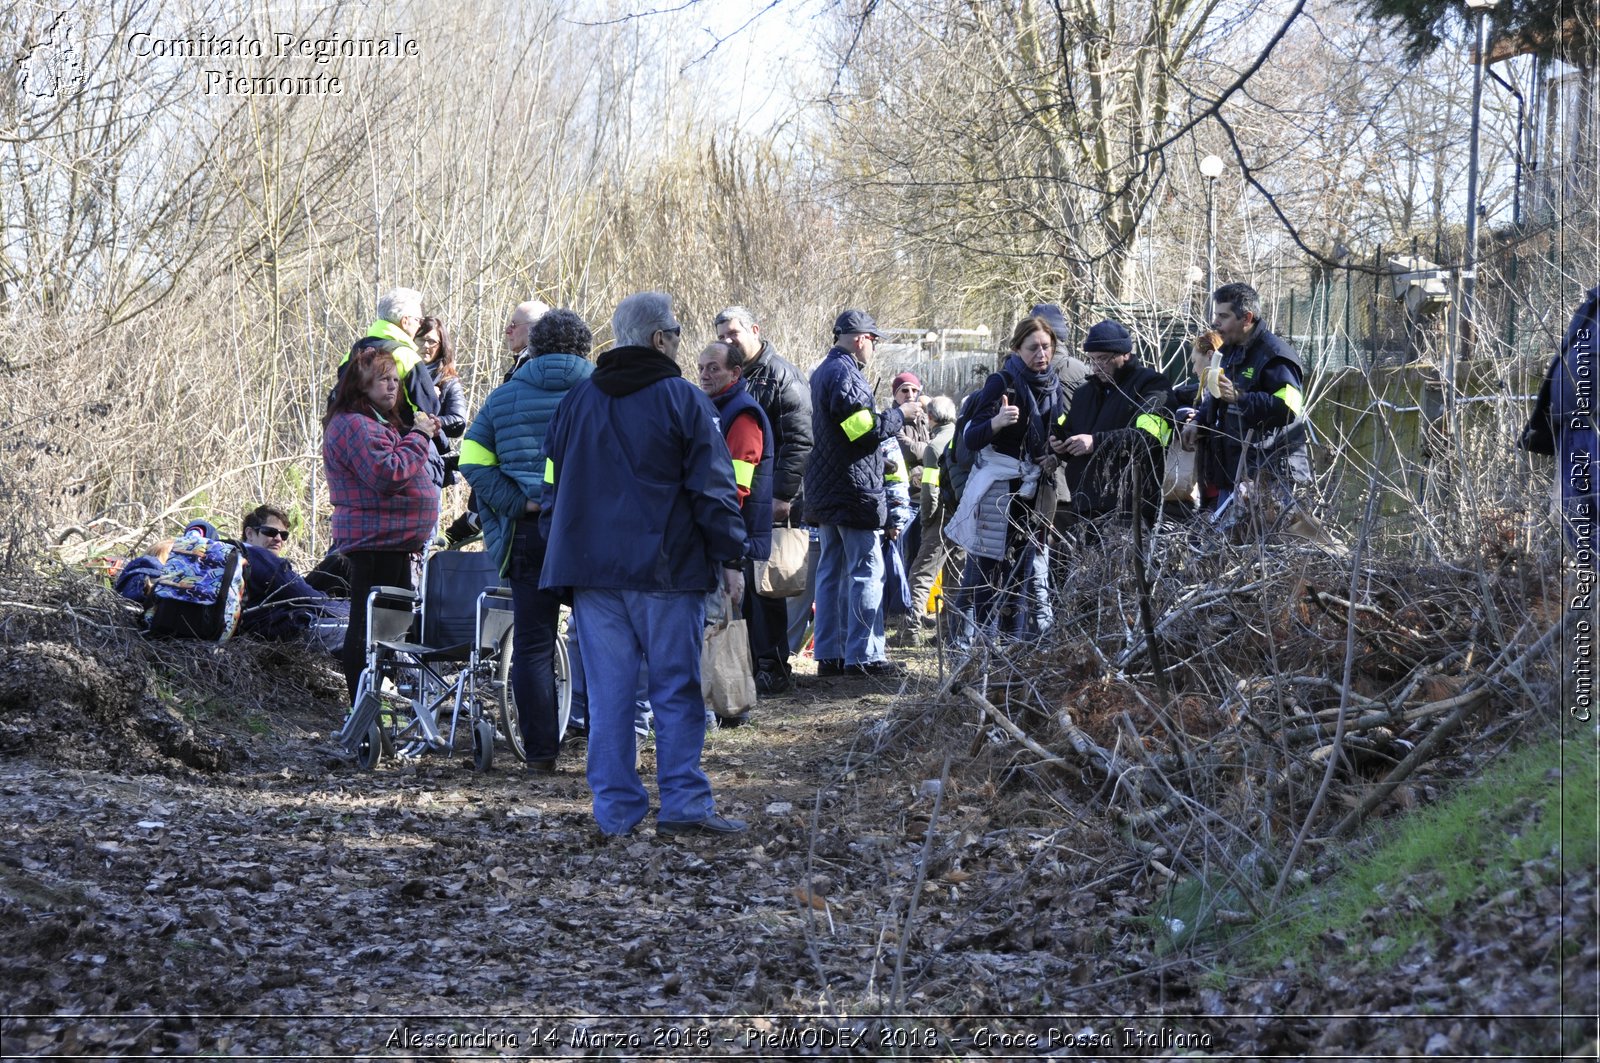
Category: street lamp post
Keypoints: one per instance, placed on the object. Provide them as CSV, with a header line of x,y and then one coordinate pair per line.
x,y
1466,315
1211,169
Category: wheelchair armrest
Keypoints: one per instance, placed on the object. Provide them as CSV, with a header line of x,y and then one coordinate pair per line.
x,y
393,596
390,611
494,617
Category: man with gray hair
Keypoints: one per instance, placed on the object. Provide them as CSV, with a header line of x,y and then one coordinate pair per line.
x,y
641,513
399,317
523,316
781,391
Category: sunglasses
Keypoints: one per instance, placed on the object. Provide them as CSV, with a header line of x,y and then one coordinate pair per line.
x,y
273,533
675,330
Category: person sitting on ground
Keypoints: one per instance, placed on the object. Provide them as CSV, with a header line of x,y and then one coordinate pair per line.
x,y
279,605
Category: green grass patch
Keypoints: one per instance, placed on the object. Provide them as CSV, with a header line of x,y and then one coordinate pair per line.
x,y
1530,810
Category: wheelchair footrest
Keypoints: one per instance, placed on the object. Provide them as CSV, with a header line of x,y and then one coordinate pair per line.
x,y
363,716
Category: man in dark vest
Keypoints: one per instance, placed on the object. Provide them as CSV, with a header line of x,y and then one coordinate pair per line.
x,y
783,395
1253,414
749,435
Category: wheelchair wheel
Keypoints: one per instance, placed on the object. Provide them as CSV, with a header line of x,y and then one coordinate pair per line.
x,y
563,687
483,745
509,724
508,699
373,747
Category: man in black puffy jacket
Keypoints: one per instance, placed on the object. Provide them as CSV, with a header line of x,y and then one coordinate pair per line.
x,y
844,494
780,390
1118,421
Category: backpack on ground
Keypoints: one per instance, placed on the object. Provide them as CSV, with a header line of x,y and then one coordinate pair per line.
x,y
200,591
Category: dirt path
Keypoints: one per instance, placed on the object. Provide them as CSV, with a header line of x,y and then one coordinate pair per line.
x,y
241,891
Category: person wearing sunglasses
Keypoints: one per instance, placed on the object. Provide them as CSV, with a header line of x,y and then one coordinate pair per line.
x,y
278,603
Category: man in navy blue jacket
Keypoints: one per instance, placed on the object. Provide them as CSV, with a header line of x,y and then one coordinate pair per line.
x,y
278,603
641,514
844,495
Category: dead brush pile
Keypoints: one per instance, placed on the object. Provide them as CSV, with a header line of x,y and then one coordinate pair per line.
x,y
1290,691
81,687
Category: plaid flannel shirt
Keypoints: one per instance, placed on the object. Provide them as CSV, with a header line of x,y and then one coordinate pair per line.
x,y
383,496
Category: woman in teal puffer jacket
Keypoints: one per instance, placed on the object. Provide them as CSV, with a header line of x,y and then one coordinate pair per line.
x,y
502,457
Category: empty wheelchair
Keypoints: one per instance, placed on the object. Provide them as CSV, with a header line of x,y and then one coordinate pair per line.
x,y
438,667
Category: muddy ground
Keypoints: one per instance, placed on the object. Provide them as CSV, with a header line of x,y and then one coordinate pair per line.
x,y
189,867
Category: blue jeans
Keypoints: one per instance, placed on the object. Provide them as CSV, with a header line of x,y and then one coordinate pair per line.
x,y
849,596
627,628
537,615
1010,596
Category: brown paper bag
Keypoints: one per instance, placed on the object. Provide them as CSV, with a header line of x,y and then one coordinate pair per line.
x,y
727,675
783,575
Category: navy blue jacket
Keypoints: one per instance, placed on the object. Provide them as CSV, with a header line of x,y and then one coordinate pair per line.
x,y
844,478
1261,368
733,403
1573,402
278,603
502,456
641,494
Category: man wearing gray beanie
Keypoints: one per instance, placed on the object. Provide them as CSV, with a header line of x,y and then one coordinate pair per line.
x,y
1071,370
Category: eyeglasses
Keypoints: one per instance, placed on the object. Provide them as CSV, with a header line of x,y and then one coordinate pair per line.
x,y
675,330
273,533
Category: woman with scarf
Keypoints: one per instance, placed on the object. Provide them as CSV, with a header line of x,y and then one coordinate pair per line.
x,y
1009,501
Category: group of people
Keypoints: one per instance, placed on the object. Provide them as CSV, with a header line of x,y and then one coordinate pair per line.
x,y
620,488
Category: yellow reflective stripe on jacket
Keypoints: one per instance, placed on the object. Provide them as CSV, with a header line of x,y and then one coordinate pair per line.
x,y
549,471
475,453
857,425
930,476
1291,398
1156,426
744,473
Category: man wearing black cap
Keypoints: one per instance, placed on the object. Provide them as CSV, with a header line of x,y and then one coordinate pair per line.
x,y
1118,423
844,496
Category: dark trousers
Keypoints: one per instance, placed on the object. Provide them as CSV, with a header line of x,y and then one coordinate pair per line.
x,y
368,569
768,622
537,615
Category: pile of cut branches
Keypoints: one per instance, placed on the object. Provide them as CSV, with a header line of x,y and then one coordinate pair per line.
x,y
1228,700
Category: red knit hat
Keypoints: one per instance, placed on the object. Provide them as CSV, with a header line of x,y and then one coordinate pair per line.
x,y
906,378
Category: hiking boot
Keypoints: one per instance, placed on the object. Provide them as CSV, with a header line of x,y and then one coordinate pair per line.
x,y
712,824
772,683
542,768
877,669
830,667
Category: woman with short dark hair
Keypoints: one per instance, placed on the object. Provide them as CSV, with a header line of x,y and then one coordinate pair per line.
x,y
503,459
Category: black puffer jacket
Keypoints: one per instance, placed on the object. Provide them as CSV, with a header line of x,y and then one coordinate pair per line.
x,y
1130,424
844,479
781,391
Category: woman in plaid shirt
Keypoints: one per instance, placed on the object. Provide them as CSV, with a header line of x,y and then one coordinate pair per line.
x,y
385,503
